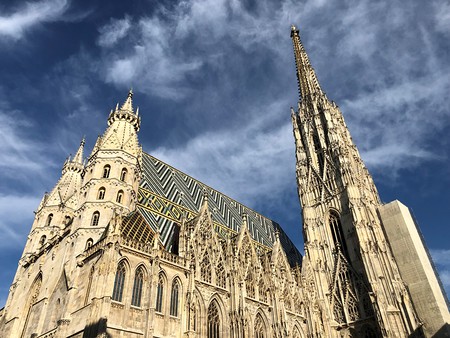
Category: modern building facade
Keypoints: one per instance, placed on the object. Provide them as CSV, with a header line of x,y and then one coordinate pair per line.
x,y
127,246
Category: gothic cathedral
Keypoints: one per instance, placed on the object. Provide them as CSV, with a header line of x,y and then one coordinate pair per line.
x,y
127,246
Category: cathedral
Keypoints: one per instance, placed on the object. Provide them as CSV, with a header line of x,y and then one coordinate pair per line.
x,y
126,245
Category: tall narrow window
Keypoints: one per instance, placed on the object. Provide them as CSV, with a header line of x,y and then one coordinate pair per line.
x,y
205,269
123,174
221,279
137,287
174,298
337,233
119,282
259,327
101,193
159,294
106,171
119,196
49,220
32,298
213,321
250,285
95,218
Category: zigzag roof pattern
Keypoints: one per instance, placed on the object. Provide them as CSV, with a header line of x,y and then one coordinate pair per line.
x,y
166,195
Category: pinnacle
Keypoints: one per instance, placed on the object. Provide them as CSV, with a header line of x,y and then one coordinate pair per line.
x,y
128,104
78,158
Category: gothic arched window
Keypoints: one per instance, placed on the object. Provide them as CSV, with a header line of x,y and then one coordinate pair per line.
x,y
250,285
49,219
205,269
159,294
337,233
32,298
260,330
119,197
213,321
106,171
123,174
221,279
95,218
137,287
119,282
101,193
174,298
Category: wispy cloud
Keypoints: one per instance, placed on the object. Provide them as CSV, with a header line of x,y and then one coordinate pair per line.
x,y
111,33
17,23
172,52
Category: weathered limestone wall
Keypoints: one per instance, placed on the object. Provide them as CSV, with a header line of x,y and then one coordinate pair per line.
x,y
416,269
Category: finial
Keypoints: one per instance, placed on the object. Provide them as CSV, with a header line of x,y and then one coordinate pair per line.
x,y
293,28
137,111
128,104
244,219
78,157
117,106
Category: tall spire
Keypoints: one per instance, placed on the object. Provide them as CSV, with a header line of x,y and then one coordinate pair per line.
x,y
307,81
78,158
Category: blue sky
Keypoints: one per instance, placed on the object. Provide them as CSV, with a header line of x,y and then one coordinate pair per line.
x,y
214,81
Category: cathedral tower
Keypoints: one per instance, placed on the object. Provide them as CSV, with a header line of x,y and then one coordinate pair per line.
x,y
358,289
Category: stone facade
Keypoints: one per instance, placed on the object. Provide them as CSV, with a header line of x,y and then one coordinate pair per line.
x,y
126,246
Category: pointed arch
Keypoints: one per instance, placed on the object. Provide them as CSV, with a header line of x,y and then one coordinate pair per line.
x,y
221,277
160,293
123,174
33,296
101,193
119,281
175,296
119,198
138,283
214,320
95,218
205,268
260,327
106,171
297,331
250,284
337,233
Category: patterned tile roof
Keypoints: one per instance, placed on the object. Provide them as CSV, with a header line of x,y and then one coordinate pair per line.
x,y
166,193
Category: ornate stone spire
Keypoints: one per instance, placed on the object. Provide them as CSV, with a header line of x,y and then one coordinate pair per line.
x,y
78,158
307,81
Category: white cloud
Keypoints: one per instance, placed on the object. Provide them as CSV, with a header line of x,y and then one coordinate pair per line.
x,y
242,162
16,24
111,33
